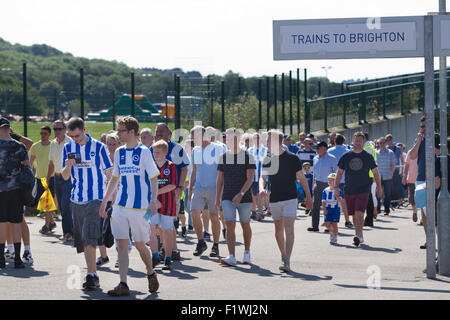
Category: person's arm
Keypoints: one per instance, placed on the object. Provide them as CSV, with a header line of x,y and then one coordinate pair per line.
x,y
405,173
262,181
180,183
154,204
32,158
324,208
192,181
393,166
415,150
219,189
51,169
248,183
166,189
339,174
66,172
376,175
304,184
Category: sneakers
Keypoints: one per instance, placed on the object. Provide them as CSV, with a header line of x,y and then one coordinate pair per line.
x,y
368,224
246,259
313,229
155,261
44,230
206,235
190,227
176,255
414,217
183,232
92,282
9,257
66,238
201,247
214,251
333,239
27,257
284,265
259,216
19,264
349,225
167,264
357,241
153,284
229,261
253,216
101,261
120,291
52,226
424,246
117,263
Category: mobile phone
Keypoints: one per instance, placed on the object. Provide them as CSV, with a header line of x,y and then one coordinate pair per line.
x,y
75,155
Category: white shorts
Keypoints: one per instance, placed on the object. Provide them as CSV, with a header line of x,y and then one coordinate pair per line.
x,y
124,219
164,222
282,209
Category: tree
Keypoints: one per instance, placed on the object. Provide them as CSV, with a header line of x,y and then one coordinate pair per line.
x,y
75,106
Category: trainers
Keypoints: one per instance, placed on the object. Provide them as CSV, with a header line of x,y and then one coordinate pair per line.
x,y
214,251
313,229
153,284
27,257
167,264
9,257
414,217
349,225
52,226
259,216
92,282
253,216
356,241
206,235
201,247
183,232
424,246
229,261
101,261
284,265
119,291
44,230
190,227
19,264
333,240
246,259
176,255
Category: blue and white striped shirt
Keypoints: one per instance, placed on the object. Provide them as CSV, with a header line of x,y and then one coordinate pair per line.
x,y
88,177
258,155
330,199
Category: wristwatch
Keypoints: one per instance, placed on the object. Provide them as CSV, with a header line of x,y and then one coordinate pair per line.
x,y
242,193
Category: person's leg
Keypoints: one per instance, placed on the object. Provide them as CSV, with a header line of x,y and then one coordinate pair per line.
x,y
182,218
3,233
231,237
317,194
167,240
215,225
369,209
103,252
153,239
288,223
244,210
66,213
145,256
387,186
25,233
89,256
358,221
279,236
197,222
247,233
122,253
205,220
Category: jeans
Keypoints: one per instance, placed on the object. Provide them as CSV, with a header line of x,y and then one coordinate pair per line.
x,y
229,211
63,190
317,193
387,187
369,210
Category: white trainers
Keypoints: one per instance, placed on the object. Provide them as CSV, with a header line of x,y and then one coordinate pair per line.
x,y
9,257
27,257
230,261
246,259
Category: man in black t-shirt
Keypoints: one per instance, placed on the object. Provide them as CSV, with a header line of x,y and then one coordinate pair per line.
x,y
283,169
236,170
357,163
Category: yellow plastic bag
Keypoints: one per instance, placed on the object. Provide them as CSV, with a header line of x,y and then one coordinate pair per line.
x,y
46,202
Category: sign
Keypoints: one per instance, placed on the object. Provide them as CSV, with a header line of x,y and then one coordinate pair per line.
x,y
441,36
355,38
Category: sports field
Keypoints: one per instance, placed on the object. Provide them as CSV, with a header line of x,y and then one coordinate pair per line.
x,y
95,129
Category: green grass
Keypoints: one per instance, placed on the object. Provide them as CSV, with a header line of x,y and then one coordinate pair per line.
x,y
94,129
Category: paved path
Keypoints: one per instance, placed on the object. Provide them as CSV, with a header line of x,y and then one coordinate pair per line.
x,y
320,271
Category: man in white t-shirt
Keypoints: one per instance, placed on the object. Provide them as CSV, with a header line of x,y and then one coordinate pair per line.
x,y
135,170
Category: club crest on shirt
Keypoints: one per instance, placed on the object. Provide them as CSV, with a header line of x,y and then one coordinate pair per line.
x,y
166,172
135,158
356,164
92,154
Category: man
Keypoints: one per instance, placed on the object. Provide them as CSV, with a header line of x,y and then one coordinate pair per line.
x,y
85,160
386,165
39,158
147,137
409,179
307,154
332,140
338,151
356,165
258,152
63,187
283,170
236,171
301,139
135,169
370,149
399,162
324,165
177,155
13,154
202,187
288,143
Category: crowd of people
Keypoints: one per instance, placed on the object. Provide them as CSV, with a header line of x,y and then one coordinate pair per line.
x,y
146,186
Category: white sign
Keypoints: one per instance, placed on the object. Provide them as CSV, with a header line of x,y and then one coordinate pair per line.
x,y
391,37
441,35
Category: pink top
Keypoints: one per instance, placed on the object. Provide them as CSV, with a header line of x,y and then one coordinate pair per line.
x,y
412,170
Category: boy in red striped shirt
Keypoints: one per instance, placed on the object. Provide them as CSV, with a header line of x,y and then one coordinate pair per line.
x,y
167,182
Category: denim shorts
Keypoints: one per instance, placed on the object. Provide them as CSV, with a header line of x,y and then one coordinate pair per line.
x,y
229,211
164,222
86,224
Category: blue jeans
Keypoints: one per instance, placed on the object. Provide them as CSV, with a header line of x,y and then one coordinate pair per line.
x,y
229,211
387,187
63,190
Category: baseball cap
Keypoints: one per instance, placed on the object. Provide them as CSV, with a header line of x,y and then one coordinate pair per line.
x,y
4,122
286,136
332,176
322,144
310,135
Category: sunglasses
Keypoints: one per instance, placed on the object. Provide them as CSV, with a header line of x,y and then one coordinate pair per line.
x,y
44,133
422,127
58,129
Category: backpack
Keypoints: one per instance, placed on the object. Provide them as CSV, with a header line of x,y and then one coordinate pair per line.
x,y
28,186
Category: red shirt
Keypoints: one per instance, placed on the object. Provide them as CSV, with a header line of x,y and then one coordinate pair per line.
x,y
167,176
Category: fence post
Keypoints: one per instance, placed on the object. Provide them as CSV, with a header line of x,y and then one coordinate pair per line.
x,y
259,104
54,107
25,111
319,92
325,116
344,113
298,100
384,105
113,109
177,102
283,123
268,103
166,105
82,93
222,100
307,115
275,98
402,100
133,112
290,104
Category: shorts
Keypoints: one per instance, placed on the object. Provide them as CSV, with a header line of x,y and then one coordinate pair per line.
x,y
411,191
202,197
420,195
229,211
123,220
255,188
11,208
282,209
356,202
164,222
332,215
86,224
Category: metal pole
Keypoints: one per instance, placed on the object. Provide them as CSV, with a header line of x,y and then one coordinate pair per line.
x,y
54,107
443,204
291,120
268,103
133,112
113,109
259,104
177,102
25,115
429,147
325,116
307,119
275,98
239,86
384,105
319,93
298,100
283,123
222,86
167,108
82,93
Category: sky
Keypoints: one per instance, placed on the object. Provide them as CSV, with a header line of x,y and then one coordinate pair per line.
x,y
210,36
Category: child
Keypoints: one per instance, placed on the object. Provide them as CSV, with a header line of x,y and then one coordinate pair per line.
x,y
167,182
331,203
309,176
